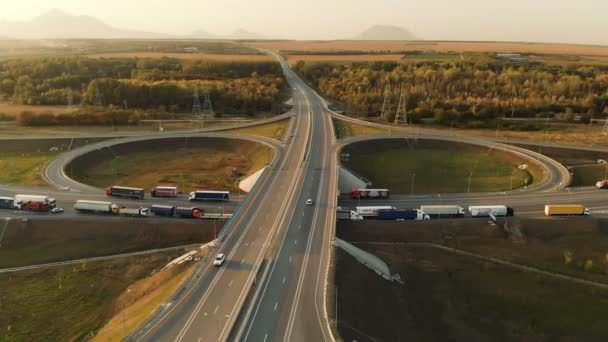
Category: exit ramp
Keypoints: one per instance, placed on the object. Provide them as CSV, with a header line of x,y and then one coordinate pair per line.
x,y
371,261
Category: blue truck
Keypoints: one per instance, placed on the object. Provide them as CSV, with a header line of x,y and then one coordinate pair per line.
x,y
123,191
171,211
402,215
7,202
162,210
209,195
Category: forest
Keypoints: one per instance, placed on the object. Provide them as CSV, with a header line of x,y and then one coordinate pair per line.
x,y
471,93
155,85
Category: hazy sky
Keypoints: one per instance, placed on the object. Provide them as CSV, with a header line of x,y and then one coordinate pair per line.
x,y
580,21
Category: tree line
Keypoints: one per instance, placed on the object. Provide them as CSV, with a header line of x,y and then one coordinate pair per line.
x,y
164,83
472,92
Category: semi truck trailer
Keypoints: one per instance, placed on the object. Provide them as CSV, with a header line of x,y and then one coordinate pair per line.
x,y
490,210
184,212
97,207
7,202
443,210
123,191
164,191
372,211
163,210
566,210
403,215
134,212
347,214
209,195
370,194
21,201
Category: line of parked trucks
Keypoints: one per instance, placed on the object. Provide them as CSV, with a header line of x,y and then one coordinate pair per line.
x,y
167,191
156,209
427,212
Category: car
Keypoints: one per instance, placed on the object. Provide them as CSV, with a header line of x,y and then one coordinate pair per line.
x,y
219,260
56,210
309,202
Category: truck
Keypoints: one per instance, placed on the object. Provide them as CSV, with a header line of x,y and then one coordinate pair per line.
x,y
603,184
21,201
403,215
7,202
490,210
566,210
347,214
163,210
370,194
209,195
164,191
372,211
97,207
123,191
186,212
443,210
134,212
36,206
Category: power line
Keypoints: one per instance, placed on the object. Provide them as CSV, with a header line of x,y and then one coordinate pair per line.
x,y
386,106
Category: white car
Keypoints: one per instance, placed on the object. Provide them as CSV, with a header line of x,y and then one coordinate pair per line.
x,y
219,260
56,210
309,202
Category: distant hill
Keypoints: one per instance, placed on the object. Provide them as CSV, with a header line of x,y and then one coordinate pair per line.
x,y
202,34
59,24
383,32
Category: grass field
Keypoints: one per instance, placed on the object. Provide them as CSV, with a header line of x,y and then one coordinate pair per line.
x,y
345,129
426,167
186,56
23,168
42,241
71,302
10,109
447,297
438,46
204,166
275,130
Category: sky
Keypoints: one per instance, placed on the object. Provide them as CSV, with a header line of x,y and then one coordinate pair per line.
x,y
580,21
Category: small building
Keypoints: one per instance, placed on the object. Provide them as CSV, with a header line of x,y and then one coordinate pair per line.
x,y
191,49
512,57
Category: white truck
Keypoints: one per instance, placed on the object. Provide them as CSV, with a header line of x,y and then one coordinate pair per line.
x,y
96,207
343,214
490,210
22,200
372,211
442,210
134,212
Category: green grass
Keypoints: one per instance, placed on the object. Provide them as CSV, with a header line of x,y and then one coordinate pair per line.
x,y
203,167
345,129
68,303
23,168
438,167
275,130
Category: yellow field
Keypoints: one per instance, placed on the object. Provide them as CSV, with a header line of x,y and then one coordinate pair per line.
x,y
293,59
188,56
438,46
14,109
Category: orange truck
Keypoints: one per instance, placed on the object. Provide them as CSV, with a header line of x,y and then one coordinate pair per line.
x,y
566,210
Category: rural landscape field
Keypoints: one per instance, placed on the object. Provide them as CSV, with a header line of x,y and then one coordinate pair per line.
x,y
319,171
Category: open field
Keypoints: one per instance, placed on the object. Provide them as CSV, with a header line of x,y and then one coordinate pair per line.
x,y
42,241
454,298
69,303
275,130
10,109
191,163
23,168
345,129
187,56
425,167
445,294
293,59
438,46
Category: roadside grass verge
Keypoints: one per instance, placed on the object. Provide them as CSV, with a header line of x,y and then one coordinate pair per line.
x,y
68,303
345,129
23,168
427,167
41,241
190,164
275,130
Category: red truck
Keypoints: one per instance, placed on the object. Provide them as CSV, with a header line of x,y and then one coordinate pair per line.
x,y
36,206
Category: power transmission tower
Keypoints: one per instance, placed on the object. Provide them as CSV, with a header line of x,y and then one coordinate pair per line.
x,y
401,115
605,131
207,105
70,100
98,99
197,111
386,106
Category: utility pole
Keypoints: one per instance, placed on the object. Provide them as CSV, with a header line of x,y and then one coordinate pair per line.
x,y
605,130
469,186
98,100
70,100
386,106
413,179
207,105
401,115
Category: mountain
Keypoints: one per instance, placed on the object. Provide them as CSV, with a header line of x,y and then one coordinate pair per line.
x,y
202,34
59,24
383,32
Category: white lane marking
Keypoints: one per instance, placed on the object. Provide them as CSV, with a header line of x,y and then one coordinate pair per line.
x,y
199,339
230,285
215,311
242,262
265,337
284,278
299,227
295,242
275,305
290,260
303,214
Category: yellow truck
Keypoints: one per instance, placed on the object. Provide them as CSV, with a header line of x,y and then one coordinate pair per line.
x,y
566,209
